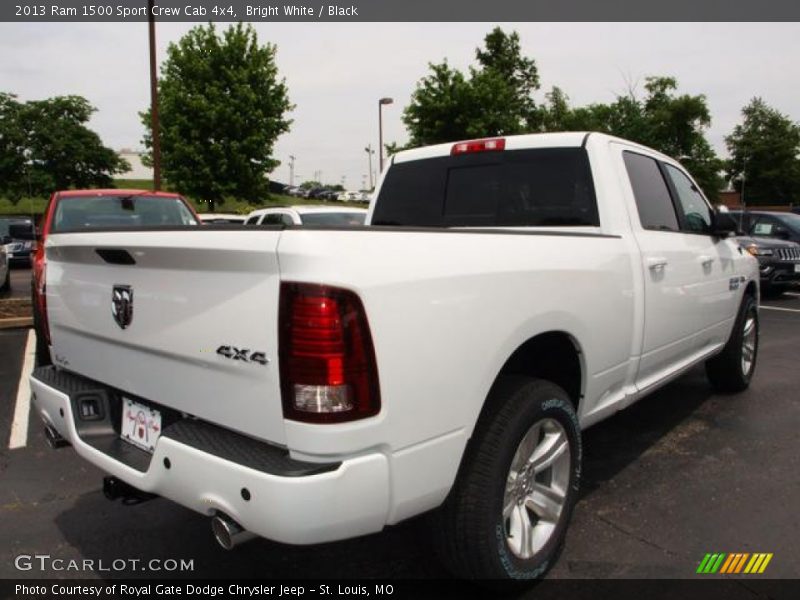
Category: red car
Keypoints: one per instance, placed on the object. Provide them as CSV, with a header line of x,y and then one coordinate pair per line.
x,y
77,210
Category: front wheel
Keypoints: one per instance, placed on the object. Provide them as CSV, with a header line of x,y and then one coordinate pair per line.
x,y
507,515
732,369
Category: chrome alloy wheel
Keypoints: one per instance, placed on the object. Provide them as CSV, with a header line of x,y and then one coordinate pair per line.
x,y
749,341
536,487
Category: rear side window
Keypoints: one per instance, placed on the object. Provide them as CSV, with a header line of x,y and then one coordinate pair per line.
x,y
653,201
515,188
273,219
74,213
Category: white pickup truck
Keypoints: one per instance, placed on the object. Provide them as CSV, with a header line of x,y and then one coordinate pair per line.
x,y
309,384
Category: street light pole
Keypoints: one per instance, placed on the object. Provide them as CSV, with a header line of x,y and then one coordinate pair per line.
x,y
291,170
381,102
154,123
370,152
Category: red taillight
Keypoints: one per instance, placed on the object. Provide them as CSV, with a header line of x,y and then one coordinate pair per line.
x,y
472,146
327,361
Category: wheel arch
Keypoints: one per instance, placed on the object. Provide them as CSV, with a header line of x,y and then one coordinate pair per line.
x,y
554,356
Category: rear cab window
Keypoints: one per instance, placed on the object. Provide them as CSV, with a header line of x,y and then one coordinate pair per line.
x,y
549,187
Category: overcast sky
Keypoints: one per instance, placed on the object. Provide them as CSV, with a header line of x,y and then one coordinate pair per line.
x,y
336,73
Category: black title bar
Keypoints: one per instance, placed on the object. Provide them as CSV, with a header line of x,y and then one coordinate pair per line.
x,y
399,10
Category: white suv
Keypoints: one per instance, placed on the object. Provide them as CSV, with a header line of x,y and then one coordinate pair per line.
x,y
307,215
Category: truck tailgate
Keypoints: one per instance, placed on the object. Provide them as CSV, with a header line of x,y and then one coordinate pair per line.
x,y
202,303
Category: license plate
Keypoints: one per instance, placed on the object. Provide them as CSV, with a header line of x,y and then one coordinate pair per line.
x,y
797,268
141,425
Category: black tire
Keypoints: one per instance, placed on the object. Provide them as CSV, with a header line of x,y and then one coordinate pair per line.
x,y
42,358
727,371
474,540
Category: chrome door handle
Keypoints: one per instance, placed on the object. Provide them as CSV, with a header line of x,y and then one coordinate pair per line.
x,y
706,260
656,264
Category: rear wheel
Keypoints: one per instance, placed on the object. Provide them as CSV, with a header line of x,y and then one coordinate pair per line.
x,y
507,515
732,369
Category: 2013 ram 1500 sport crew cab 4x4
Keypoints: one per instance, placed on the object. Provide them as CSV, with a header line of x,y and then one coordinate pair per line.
x,y
309,384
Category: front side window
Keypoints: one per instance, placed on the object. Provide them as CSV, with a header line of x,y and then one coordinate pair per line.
x,y
653,200
696,212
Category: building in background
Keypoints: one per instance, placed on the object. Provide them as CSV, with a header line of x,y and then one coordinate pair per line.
x,y
137,170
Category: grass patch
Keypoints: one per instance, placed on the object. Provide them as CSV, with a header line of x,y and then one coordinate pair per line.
x,y
25,206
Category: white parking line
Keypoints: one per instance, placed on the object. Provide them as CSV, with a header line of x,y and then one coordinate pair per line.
x,y
797,310
22,409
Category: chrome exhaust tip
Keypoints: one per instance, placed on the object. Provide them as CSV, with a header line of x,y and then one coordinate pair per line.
x,y
228,532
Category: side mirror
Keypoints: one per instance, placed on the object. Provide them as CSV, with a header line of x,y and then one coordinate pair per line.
x,y
22,231
724,224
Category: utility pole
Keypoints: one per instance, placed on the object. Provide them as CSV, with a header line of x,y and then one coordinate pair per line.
x,y
291,170
381,103
155,128
744,168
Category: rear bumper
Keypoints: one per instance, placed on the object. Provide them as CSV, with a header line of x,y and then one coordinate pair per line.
x,y
196,466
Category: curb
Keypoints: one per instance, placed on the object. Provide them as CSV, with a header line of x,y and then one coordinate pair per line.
x,y
16,322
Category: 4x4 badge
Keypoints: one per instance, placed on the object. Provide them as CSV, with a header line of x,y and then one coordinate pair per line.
x,y
122,305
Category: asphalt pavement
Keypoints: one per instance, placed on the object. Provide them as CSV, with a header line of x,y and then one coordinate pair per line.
x,y
678,475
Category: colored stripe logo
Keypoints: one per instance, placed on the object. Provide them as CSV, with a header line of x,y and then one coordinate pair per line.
x,y
735,562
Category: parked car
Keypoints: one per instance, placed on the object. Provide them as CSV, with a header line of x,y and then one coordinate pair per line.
x,y
5,271
329,195
79,210
18,250
509,293
221,218
778,262
307,215
769,224
349,197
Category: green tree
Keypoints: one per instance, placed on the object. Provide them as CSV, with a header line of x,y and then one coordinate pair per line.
x,y
222,107
765,148
670,123
12,147
46,145
494,98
